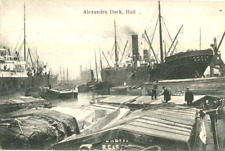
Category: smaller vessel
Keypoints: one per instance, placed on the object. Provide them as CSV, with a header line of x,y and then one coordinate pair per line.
x,y
61,93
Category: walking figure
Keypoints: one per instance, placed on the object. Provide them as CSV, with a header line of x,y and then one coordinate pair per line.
x,y
166,94
189,97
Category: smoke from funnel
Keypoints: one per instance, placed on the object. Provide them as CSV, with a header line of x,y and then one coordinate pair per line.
x,y
129,31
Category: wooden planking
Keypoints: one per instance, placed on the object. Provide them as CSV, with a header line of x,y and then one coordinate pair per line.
x,y
171,117
107,99
160,116
98,108
106,106
120,99
175,114
127,99
147,99
111,99
172,123
163,125
160,124
132,99
154,132
143,100
150,126
178,112
189,112
187,109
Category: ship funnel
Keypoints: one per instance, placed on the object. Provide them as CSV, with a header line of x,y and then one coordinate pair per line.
x,y
135,54
146,55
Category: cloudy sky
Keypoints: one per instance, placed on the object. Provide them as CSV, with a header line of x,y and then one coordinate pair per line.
x,y
64,35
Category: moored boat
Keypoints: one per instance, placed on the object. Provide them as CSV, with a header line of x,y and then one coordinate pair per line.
x,y
61,93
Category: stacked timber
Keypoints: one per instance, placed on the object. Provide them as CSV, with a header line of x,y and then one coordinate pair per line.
x,y
166,128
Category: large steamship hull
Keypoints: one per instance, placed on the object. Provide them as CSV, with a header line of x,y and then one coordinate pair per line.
x,y
191,64
10,85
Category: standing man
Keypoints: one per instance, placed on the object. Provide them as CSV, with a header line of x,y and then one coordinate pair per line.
x,y
166,94
189,97
154,94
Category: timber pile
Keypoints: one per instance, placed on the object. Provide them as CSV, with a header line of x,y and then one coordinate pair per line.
x,y
169,127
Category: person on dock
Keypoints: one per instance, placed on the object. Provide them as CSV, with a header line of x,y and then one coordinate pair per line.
x,y
166,93
154,94
189,97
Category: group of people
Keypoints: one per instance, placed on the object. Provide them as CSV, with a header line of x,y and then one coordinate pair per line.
x,y
189,97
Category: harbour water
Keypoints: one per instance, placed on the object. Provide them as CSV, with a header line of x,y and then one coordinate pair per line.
x,y
83,99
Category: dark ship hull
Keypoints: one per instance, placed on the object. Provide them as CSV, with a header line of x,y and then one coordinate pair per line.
x,y
190,64
10,85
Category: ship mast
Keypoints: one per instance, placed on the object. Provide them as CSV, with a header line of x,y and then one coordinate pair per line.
x,y
96,67
24,41
67,73
116,53
200,42
160,35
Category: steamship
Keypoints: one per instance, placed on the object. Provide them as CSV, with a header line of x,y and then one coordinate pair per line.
x,y
183,65
16,75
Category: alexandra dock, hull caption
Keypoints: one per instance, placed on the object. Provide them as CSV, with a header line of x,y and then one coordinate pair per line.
x,y
111,11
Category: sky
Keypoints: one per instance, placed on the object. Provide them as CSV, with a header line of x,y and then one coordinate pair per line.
x,y
65,36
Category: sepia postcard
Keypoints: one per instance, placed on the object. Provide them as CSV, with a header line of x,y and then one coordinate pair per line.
x,y
112,74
